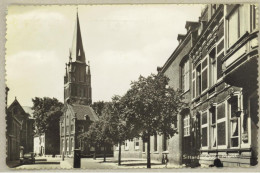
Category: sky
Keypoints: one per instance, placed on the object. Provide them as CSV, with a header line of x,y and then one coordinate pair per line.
x,y
121,42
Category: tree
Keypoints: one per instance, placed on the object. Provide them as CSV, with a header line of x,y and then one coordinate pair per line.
x,y
99,133
98,107
47,112
152,107
110,128
120,128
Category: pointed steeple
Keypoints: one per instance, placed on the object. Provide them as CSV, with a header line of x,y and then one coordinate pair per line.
x,y
77,51
77,79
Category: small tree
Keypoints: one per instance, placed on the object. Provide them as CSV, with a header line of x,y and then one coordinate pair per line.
x,y
119,129
152,107
99,134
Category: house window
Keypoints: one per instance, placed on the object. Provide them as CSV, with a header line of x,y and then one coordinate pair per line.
x,y
67,129
221,124
193,84
198,80
62,145
233,28
155,142
165,142
71,127
136,143
234,121
253,17
236,23
213,67
185,73
126,144
186,125
67,144
204,129
62,130
204,74
213,128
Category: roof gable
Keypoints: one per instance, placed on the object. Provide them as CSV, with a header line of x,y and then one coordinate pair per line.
x,y
80,111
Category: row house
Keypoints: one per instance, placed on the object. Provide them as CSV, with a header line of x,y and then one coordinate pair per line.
x,y
215,65
224,101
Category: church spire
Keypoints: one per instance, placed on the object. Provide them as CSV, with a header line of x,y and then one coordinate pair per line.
x,y
77,80
77,51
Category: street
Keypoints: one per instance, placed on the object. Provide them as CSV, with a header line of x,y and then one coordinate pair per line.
x,y
89,163
42,163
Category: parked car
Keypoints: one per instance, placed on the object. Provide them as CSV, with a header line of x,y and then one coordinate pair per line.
x,y
28,158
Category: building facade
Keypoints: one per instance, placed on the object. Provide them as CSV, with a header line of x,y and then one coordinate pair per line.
x,y
39,145
46,144
78,114
215,65
19,131
224,82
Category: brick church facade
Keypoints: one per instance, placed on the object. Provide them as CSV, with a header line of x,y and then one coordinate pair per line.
x,y
78,114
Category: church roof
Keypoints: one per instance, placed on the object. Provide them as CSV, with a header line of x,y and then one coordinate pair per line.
x,y
77,51
82,110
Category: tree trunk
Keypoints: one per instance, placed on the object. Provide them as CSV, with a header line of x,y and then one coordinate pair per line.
x,y
94,156
148,153
105,152
119,154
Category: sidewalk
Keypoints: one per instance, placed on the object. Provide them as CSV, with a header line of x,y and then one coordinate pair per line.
x,y
112,163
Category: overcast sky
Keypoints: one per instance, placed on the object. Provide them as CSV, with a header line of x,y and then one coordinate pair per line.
x,y
120,41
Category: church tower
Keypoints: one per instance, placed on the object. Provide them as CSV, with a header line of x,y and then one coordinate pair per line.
x,y
77,79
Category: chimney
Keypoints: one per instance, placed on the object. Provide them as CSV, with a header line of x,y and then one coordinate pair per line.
x,y
181,37
191,25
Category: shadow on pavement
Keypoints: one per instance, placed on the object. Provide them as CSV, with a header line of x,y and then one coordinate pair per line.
x,y
40,160
115,161
139,164
48,163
